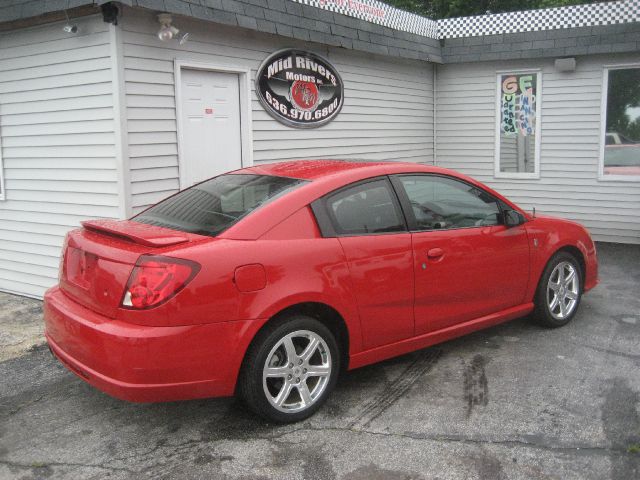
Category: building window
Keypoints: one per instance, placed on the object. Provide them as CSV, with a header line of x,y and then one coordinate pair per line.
x,y
620,154
518,125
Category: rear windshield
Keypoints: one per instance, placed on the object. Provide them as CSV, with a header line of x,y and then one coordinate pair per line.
x,y
211,207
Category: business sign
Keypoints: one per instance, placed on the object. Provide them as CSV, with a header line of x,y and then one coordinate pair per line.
x,y
299,88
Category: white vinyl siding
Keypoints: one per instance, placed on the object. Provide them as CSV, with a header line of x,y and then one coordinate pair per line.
x,y
570,143
58,145
387,113
1,170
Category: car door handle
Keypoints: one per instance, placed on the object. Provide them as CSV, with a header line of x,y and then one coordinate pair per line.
x,y
435,253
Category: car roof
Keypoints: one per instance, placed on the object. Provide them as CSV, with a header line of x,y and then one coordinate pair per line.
x,y
322,168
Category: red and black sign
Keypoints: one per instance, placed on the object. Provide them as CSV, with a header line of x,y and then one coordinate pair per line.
x,y
299,88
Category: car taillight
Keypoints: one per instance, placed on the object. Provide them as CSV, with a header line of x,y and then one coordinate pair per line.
x,y
154,280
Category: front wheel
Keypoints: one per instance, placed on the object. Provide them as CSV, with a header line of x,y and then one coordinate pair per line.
x,y
559,291
290,369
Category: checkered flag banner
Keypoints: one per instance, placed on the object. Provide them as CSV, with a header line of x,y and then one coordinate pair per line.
x,y
373,11
380,13
609,13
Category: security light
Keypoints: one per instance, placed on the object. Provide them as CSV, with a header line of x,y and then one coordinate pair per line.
x,y
69,27
167,31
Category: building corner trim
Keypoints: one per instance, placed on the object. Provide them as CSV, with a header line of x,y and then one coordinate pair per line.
x,y
435,114
120,122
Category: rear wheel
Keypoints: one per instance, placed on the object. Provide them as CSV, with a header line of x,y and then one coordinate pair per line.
x,y
290,369
559,291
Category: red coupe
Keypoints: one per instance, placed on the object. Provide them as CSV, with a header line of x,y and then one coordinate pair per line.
x,y
268,281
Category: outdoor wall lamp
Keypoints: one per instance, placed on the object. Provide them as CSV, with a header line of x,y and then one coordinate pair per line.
x,y
69,27
167,31
565,64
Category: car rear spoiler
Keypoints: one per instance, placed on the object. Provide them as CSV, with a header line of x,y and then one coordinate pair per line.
x,y
143,234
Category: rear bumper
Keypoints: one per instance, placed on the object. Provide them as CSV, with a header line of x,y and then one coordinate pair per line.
x,y
146,364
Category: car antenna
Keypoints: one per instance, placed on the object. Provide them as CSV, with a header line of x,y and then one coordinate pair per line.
x,y
534,212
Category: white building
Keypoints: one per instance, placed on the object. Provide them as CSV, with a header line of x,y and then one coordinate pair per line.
x,y
109,119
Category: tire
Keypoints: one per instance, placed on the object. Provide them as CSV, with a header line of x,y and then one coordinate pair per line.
x,y
290,369
559,291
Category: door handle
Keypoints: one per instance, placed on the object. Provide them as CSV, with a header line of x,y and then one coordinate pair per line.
x,y
435,253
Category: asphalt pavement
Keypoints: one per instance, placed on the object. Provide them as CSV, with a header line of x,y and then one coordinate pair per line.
x,y
516,401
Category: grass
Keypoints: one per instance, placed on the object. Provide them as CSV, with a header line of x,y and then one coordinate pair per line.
x,y
634,448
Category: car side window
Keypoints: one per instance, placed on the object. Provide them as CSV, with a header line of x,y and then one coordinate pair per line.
x,y
366,208
439,202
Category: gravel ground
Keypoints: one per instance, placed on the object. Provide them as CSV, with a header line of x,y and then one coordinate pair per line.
x,y
512,402
21,326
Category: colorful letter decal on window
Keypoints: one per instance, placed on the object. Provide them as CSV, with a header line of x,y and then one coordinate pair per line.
x,y
518,104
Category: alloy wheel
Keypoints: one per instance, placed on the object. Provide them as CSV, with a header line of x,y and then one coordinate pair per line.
x,y
296,371
563,290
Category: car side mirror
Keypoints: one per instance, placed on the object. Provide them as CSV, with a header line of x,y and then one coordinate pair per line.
x,y
512,218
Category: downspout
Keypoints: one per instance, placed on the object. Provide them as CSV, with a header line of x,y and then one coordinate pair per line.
x,y
435,115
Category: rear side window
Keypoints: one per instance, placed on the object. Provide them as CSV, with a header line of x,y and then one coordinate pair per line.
x,y
366,208
211,207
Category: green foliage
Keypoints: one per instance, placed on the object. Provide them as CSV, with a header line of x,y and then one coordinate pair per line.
x,y
634,448
462,8
415,6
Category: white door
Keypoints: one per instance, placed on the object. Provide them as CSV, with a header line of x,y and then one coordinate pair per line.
x,y
211,140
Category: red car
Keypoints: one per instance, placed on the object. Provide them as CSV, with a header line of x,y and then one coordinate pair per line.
x,y
268,281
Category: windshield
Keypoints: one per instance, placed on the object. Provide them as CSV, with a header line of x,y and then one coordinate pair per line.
x,y
211,207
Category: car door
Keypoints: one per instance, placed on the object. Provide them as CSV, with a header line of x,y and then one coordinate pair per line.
x,y
467,263
367,219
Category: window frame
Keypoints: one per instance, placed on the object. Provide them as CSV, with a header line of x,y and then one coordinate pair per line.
x,y
405,203
535,175
326,222
603,125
